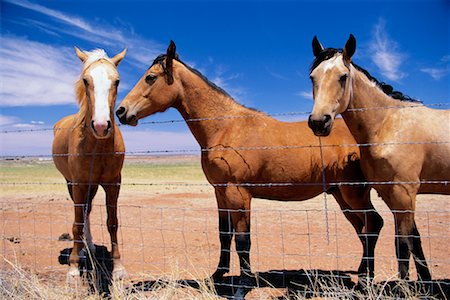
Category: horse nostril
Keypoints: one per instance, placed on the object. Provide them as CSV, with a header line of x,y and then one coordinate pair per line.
x,y
120,111
326,118
109,125
92,125
310,122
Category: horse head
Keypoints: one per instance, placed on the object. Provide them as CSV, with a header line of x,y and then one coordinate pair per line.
x,y
331,78
97,90
157,90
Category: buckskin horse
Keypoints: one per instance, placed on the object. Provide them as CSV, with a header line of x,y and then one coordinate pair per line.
x,y
405,146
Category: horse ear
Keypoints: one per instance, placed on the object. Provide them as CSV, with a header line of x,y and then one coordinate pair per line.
x,y
81,55
118,58
171,50
171,55
349,48
316,46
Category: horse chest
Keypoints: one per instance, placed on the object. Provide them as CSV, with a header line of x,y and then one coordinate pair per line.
x,y
95,167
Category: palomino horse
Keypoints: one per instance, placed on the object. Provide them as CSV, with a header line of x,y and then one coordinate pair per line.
x,y
406,147
246,154
88,150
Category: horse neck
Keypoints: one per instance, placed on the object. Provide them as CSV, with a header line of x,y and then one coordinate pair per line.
x,y
367,109
201,101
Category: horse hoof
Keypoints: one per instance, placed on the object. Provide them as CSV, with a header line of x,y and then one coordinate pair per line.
x,y
119,273
217,276
73,275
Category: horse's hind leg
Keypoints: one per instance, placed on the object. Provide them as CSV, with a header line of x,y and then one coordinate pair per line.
x,y
112,193
357,208
225,235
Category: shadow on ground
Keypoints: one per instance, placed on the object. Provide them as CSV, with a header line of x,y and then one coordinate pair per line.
x,y
314,283
97,270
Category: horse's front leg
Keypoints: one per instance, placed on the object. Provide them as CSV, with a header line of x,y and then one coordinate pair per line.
x,y
112,194
82,196
240,200
358,209
401,200
225,235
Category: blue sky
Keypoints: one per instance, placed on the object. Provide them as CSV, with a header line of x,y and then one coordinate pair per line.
x,y
258,51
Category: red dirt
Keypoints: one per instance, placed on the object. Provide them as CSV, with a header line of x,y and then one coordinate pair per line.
x,y
175,234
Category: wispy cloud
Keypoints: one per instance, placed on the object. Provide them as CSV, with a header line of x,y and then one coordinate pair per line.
x,y
435,73
33,73
438,72
7,120
221,77
276,74
141,50
13,123
305,94
385,54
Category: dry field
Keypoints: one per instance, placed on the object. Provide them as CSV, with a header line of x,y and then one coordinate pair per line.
x,y
168,233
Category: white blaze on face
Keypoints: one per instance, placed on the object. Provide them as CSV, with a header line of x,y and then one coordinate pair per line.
x,y
102,85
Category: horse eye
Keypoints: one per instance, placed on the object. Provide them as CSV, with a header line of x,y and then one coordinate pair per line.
x,y
343,79
150,79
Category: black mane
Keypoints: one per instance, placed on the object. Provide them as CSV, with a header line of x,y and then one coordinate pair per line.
x,y
162,57
386,88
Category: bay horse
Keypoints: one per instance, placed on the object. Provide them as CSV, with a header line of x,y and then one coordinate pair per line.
x,y
405,146
246,153
88,150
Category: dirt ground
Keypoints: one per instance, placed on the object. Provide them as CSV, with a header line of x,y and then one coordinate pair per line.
x,y
172,232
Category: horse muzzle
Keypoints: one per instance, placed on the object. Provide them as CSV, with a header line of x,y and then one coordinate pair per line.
x,y
101,130
122,114
321,126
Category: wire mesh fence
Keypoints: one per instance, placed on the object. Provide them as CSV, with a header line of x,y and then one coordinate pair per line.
x,y
169,220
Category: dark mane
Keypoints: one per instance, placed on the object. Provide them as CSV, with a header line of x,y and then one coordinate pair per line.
x,y
386,88
162,57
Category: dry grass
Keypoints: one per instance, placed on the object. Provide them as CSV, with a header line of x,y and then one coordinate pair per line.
x,y
18,283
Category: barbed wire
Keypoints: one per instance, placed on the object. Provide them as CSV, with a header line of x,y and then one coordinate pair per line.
x,y
293,113
167,151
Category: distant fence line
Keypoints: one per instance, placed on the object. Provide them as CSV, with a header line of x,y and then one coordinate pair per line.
x,y
242,184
